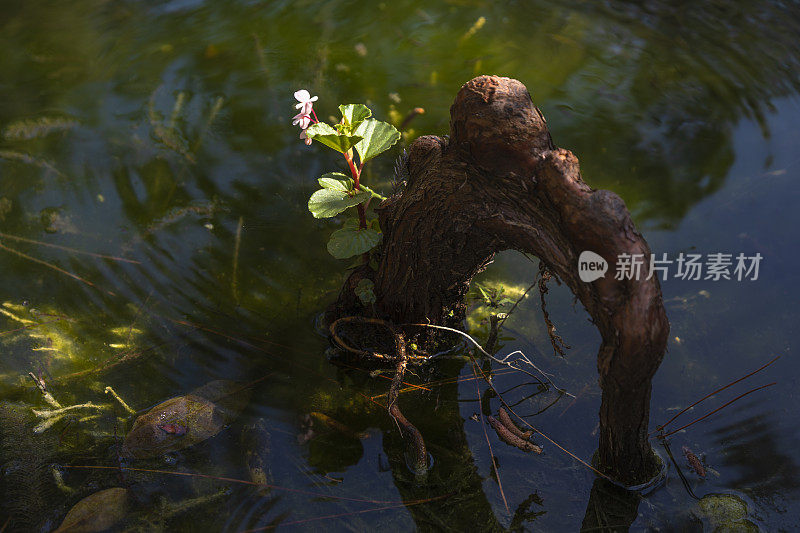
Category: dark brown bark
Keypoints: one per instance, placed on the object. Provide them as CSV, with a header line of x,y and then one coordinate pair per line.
x,y
499,183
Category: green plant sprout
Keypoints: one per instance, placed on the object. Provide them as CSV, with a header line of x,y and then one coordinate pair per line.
x,y
493,297
356,133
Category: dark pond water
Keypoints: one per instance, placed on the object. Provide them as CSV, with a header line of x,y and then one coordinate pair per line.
x,y
151,131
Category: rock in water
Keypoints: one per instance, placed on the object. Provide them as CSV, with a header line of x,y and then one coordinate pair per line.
x,y
97,512
256,445
183,421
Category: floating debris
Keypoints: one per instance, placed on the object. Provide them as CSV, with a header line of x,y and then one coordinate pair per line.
x,y
508,437
694,462
505,419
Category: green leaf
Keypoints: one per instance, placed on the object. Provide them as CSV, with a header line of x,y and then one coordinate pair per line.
x,y
377,138
354,114
350,240
363,187
336,181
326,203
331,138
365,291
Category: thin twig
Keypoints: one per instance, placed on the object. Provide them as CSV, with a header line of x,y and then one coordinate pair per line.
x,y
54,267
110,390
486,434
502,361
46,393
365,353
237,244
715,410
559,346
662,426
68,249
242,482
557,445
685,481
514,307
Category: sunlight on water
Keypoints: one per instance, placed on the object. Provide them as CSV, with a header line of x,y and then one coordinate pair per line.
x,y
136,137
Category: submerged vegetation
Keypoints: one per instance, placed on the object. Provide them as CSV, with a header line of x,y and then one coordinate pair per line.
x,y
164,362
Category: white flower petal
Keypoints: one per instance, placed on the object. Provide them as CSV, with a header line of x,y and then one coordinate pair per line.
x,y
302,95
306,107
301,120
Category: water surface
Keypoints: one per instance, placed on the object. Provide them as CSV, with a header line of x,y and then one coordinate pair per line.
x,y
150,131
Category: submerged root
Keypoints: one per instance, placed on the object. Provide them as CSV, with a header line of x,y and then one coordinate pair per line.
x,y
374,355
410,432
559,346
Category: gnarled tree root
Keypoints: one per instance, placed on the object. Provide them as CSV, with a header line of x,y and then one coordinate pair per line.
x,y
498,182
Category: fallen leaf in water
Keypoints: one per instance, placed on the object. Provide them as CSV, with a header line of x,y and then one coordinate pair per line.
x,y
97,512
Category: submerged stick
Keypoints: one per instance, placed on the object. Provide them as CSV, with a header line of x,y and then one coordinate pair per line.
x,y
236,246
507,436
109,390
709,395
68,249
504,360
512,427
46,393
715,410
54,267
489,443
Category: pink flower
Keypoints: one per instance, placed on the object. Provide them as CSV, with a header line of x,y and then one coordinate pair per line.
x,y
301,119
306,101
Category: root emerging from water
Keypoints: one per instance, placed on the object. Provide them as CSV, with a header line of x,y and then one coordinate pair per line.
x,y
412,436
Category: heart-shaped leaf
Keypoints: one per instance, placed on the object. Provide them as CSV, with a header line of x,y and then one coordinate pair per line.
x,y
336,181
354,114
377,137
350,240
326,203
330,137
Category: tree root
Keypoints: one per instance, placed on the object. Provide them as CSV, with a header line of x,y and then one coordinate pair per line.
x,y
410,432
559,346
367,354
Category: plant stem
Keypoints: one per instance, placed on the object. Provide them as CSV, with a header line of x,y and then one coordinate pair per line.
x,y
362,213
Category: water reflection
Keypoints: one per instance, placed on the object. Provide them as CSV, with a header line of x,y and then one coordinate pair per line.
x,y
148,130
774,474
